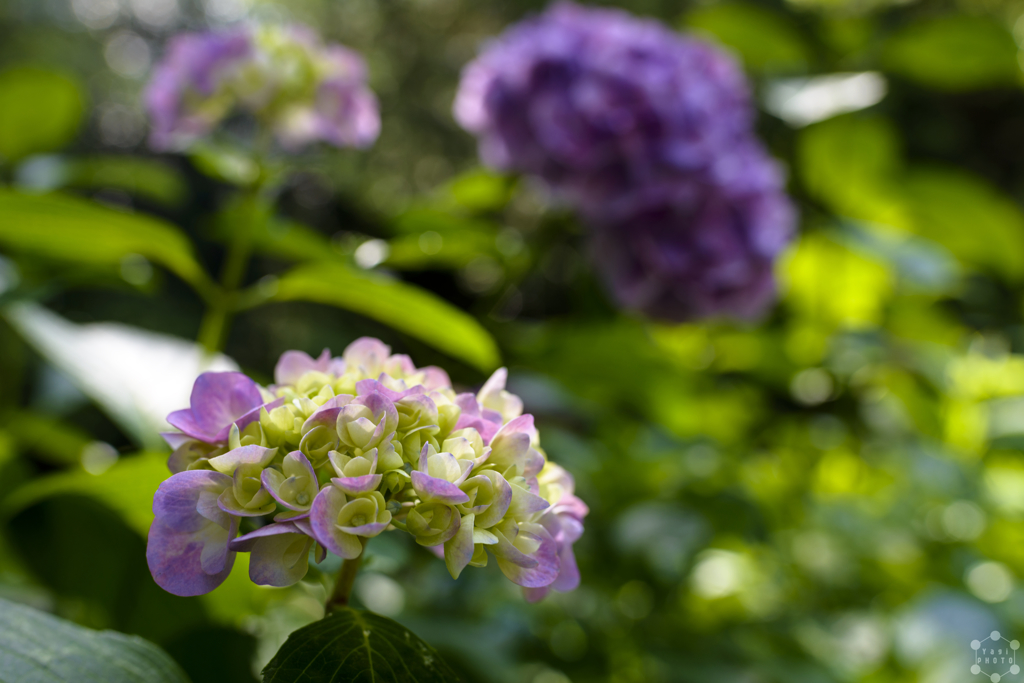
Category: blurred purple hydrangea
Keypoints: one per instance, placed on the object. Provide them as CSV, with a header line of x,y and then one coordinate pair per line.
x,y
649,135
185,97
697,245
284,77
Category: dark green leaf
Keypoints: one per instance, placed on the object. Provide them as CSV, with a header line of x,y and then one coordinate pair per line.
x,y
954,53
66,228
41,648
127,488
53,440
147,178
351,645
766,41
405,307
40,111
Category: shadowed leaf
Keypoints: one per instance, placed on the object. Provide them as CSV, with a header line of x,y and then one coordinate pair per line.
x,y
41,648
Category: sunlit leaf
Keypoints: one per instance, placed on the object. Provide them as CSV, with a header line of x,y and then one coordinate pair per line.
x,y
41,648
70,229
968,216
827,282
433,250
766,41
224,163
405,307
954,52
136,376
480,190
351,645
40,111
851,164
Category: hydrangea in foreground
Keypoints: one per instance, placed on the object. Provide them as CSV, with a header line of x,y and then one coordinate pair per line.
x,y
649,134
285,77
340,450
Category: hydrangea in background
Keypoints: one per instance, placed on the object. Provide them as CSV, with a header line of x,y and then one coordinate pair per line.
x,y
696,246
302,90
340,450
649,134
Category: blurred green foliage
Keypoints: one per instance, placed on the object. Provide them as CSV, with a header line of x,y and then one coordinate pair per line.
x,y
833,494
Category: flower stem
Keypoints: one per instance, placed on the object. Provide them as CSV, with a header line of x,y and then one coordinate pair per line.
x,y
212,330
343,584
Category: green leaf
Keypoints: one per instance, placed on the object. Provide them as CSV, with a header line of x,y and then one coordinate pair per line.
x,y
57,442
851,163
66,228
433,250
480,190
968,216
136,376
41,648
40,111
224,163
954,52
127,488
766,41
422,219
147,178
404,307
351,645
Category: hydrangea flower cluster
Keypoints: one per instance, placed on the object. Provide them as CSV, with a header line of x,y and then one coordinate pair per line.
x,y
285,77
649,134
340,450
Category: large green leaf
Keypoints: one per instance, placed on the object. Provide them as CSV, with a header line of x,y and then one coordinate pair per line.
x,y
40,111
135,375
71,229
127,488
39,648
850,163
767,41
954,52
351,645
405,307
968,216
148,178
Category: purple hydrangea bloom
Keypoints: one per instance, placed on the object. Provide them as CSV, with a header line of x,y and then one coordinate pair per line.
x,y
347,449
219,400
649,135
344,112
180,96
284,77
695,245
596,100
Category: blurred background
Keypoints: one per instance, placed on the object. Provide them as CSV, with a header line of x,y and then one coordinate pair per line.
x,y
833,494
